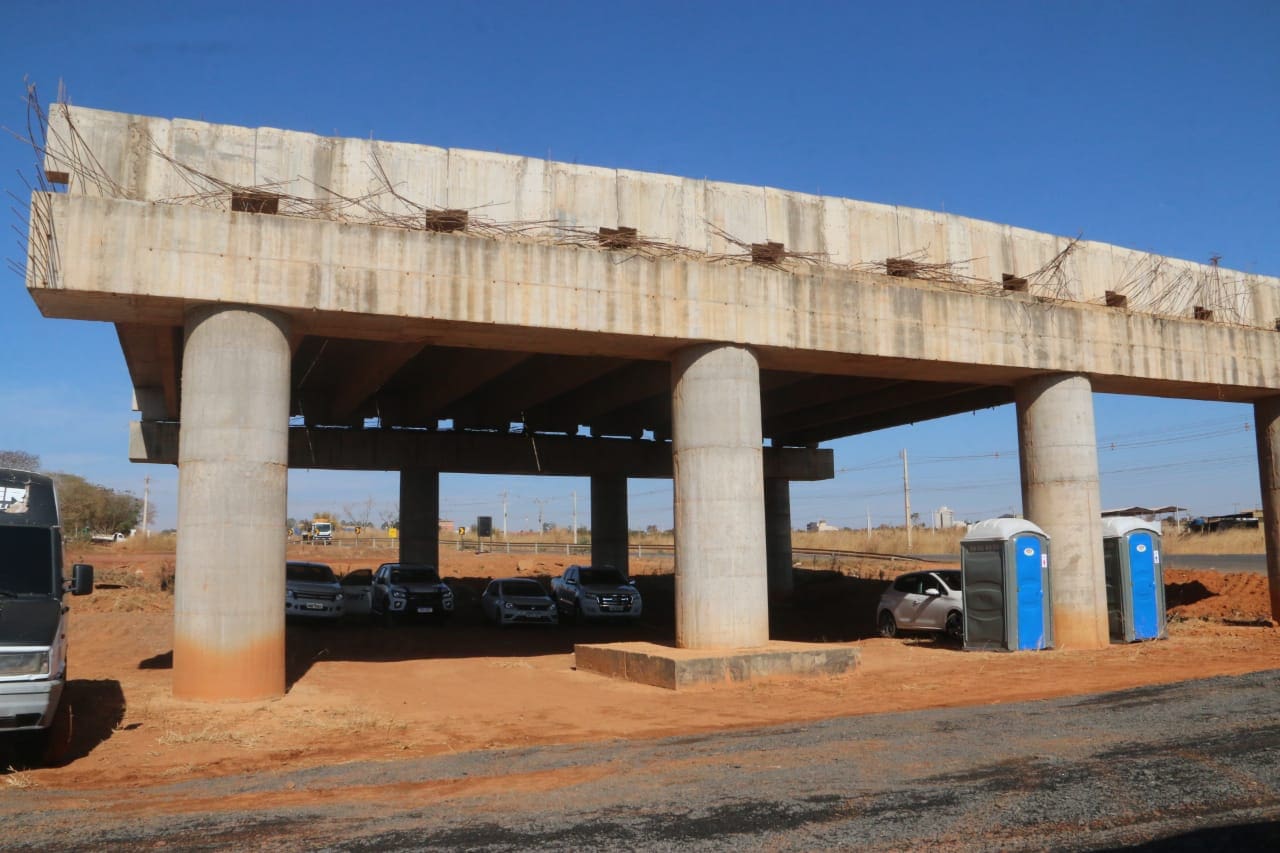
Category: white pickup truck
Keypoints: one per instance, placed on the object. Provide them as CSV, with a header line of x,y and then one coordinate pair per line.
x,y
33,617
587,592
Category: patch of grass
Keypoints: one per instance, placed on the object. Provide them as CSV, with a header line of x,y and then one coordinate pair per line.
x,y
208,734
18,779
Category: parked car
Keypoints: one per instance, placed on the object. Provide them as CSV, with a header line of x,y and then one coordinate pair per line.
x,y
311,590
409,591
510,601
596,592
356,588
923,601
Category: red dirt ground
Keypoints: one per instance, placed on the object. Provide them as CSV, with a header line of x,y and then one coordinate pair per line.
x,y
359,691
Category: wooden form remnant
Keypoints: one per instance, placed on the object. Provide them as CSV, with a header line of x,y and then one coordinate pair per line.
x,y
621,237
1116,300
444,221
900,267
767,253
1202,313
254,201
60,178
1014,283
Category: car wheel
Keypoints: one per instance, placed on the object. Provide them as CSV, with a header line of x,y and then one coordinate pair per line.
x,y
888,627
955,625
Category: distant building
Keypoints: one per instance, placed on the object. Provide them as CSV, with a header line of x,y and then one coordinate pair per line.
x,y
943,517
820,526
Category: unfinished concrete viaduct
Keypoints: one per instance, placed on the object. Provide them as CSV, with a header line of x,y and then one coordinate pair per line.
x,y
285,299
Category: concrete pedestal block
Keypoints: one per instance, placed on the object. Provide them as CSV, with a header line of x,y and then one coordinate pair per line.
x,y
1058,450
663,666
609,522
721,579
420,516
228,639
1266,416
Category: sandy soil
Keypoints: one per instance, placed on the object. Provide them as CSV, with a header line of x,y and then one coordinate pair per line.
x,y
360,691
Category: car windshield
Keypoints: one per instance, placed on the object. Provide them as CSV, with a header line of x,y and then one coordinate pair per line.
x,y
522,587
424,574
27,565
309,572
951,579
601,576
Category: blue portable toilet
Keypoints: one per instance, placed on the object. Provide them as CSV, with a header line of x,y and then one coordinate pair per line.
x,y
1135,579
1004,565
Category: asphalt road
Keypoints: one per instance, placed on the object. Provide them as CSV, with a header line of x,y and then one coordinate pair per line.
x,y
1191,766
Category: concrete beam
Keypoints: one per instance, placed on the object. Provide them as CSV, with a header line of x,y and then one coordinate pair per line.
x,y
228,613
153,355
722,595
479,453
777,532
1058,450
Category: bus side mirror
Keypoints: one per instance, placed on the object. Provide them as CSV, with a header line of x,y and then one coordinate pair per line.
x,y
81,579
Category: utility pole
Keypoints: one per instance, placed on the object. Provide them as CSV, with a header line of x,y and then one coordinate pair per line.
x,y
146,505
575,517
504,516
906,497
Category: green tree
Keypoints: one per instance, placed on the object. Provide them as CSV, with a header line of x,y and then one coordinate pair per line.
x,y
88,508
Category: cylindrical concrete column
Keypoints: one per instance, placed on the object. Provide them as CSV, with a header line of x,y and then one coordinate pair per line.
x,y
609,522
420,516
721,581
1266,417
1058,450
228,620
777,534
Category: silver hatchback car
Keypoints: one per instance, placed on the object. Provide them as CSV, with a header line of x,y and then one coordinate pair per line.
x,y
923,601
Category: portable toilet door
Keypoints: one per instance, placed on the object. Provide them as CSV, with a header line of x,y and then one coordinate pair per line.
x,y
1135,579
1005,565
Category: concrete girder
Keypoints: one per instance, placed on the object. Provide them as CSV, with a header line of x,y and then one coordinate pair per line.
x,y
362,377
429,402
153,355
506,399
607,394
928,409
343,449
809,392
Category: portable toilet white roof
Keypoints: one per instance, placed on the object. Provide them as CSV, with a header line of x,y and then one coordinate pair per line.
x,y
1123,524
1001,529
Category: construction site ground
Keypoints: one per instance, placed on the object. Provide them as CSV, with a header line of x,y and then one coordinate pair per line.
x,y
361,691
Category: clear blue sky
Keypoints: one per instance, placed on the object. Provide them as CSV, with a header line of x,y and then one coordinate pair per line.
x,y
1153,125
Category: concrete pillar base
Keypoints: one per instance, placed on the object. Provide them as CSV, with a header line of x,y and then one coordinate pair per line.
x,y
1059,461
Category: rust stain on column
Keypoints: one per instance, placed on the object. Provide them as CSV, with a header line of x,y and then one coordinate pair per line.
x,y
240,674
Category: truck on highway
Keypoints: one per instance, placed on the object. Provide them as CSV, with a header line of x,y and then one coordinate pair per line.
x,y
33,618
321,530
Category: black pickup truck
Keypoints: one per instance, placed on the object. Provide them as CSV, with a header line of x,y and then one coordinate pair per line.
x,y
33,617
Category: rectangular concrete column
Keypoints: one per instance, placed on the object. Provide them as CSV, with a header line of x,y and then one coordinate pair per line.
x,y
721,579
777,533
420,516
1058,453
609,522
228,614
1266,417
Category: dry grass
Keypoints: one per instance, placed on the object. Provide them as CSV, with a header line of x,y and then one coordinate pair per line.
x,y
1235,541
18,779
208,734
885,540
